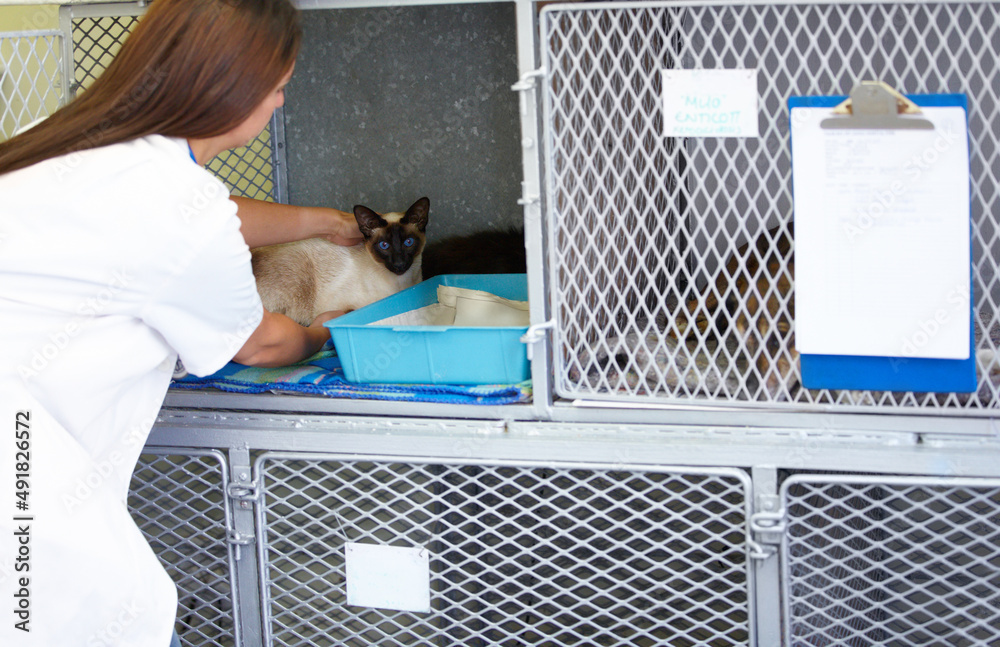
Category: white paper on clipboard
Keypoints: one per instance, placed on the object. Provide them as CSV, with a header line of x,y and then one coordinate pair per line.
x,y
882,252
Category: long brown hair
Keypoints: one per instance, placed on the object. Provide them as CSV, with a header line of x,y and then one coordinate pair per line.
x,y
191,68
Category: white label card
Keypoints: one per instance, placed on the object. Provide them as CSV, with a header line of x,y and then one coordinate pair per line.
x,y
882,249
388,577
710,103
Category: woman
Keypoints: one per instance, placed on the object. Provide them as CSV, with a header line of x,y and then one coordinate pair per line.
x,y
119,253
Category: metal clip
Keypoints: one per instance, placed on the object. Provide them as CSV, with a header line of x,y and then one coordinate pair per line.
x,y
535,334
768,522
525,85
234,538
759,551
526,198
527,81
244,492
766,528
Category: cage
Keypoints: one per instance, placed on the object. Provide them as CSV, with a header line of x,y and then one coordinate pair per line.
x,y
648,231
672,482
30,82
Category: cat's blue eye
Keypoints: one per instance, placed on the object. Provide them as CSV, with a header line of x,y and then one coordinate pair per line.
x,y
383,245
409,242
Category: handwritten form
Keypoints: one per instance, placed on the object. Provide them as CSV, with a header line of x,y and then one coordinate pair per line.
x,y
882,226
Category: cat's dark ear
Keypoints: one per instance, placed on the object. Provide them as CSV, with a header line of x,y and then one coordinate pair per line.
x,y
368,220
417,214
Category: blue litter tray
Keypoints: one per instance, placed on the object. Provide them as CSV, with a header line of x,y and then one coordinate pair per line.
x,y
432,354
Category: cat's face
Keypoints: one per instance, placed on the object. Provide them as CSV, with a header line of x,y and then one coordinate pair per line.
x,y
394,239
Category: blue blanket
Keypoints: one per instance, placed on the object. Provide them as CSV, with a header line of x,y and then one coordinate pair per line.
x,y
322,375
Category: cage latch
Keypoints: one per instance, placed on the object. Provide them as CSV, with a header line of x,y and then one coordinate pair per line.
x,y
526,198
767,527
249,492
525,85
527,81
535,334
238,540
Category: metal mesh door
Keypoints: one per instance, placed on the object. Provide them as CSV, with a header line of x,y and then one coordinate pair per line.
x,y
248,171
519,555
670,258
178,500
893,562
30,78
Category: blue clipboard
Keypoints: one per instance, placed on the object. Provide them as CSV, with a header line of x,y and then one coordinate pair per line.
x,y
856,372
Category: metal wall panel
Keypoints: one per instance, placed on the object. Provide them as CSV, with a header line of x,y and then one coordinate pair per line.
x,y
393,103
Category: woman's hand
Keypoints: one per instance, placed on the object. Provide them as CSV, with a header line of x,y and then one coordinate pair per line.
x,y
279,341
322,318
342,227
270,223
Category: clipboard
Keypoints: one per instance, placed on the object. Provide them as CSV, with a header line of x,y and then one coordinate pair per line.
x,y
873,106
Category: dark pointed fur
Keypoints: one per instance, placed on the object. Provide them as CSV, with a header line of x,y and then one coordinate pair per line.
x,y
312,276
482,252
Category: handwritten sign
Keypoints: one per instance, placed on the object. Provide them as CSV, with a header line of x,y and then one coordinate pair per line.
x,y
710,103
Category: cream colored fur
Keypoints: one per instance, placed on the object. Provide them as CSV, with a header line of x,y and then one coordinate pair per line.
x,y
307,278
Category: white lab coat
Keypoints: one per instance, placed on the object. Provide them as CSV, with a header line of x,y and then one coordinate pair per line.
x,y
112,262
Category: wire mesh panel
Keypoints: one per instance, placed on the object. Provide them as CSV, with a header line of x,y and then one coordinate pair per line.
x,y
96,40
518,555
892,562
31,83
247,171
178,499
671,258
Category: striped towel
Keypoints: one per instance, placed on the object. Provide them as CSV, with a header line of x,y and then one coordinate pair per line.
x,y
322,375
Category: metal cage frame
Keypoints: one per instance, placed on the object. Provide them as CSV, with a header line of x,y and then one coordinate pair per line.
x,y
307,481
179,498
26,58
883,560
908,445
645,227
485,525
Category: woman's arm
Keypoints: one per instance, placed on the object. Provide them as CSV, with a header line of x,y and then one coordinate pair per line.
x,y
270,223
279,341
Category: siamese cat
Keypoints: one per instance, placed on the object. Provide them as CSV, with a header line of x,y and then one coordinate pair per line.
x,y
481,252
306,278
